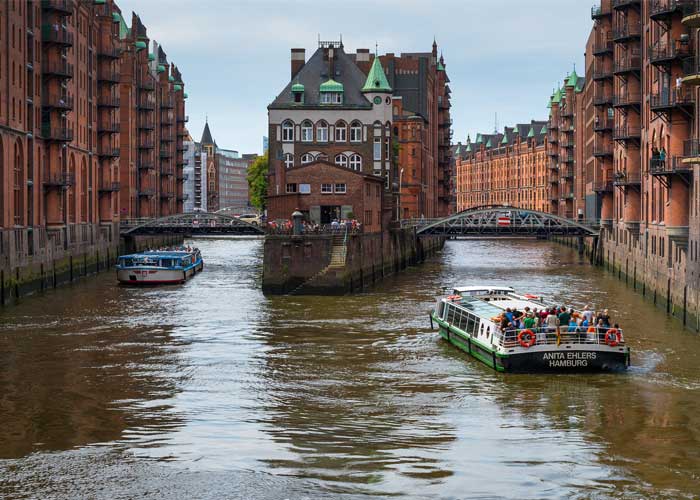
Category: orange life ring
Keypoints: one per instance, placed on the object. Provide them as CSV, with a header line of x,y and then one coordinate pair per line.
x,y
530,341
453,298
591,329
608,337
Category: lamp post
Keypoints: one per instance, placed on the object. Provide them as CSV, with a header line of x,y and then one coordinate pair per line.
x,y
398,208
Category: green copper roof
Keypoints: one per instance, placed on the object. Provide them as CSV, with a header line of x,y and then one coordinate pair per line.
x,y
572,80
297,87
557,97
479,139
531,133
184,94
505,139
160,68
544,130
151,57
458,150
469,147
579,85
171,78
440,66
100,2
123,28
177,88
331,86
488,143
376,79
116,17
140,45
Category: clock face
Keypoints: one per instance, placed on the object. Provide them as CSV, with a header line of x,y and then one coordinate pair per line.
x,y
377,100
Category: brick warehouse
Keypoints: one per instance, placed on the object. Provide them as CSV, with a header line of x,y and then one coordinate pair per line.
x,y
62,110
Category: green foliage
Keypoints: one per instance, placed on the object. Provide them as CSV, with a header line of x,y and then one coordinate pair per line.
x,y
257,181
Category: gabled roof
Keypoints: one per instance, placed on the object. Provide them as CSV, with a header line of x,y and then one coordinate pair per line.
x,y
316,72
206,135
376,79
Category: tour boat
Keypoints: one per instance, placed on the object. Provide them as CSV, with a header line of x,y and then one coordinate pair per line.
x,y
159,267
470,320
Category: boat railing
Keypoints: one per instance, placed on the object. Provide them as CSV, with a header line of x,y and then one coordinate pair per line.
x,y
550,336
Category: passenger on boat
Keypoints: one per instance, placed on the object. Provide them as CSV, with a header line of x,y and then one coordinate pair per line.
x,y
572,326
587,314
552,321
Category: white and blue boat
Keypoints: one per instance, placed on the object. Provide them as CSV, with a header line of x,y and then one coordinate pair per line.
x,y
159,267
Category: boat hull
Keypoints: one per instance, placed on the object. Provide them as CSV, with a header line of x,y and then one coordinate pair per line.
x,y
153,276
552,360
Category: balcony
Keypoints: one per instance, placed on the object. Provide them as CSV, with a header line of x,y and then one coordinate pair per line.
x,y
691,13
64,7
623,4
691,71
109,52
663,54
108,187
554,178
166,121
166,195
108,128
147,192
603,125
57,68
624,179
183,197
147,85
183,119
167,103
568,159
146,124
669,100
602,149
603,186
181,148
627,32
108,101
567,143
691,151
568,173
56,34
567,196
166,171
60,180
600,11
602,72
603,47
57,101
107,151
602,99
146,144
145,165
664,9
627,65
553,153
627,100
59,134
146,103
669,167
165,154
167,139
627,133
108,76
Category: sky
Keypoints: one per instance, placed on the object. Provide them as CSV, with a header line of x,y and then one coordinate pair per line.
x,y
502,56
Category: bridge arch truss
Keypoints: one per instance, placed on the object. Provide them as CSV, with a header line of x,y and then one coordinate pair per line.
x,y
191,224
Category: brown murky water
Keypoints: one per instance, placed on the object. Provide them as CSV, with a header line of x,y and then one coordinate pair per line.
x,y
211,390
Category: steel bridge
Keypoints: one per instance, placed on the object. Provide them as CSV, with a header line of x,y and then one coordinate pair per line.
x,y
197,223
504,221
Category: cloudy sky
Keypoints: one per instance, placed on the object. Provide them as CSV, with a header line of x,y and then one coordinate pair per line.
x,y
502,56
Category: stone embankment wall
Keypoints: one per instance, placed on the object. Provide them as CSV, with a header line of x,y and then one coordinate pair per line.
x,y
301,264
663,279
36,260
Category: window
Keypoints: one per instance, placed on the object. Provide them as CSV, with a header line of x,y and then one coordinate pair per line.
x,y
322,132
305,188
288,160
368,217
341,160
306,158
356,162
387,149
331,98
322,157
287,131
356,132
377,148
307,131
291,188
326,188
340,188
341,130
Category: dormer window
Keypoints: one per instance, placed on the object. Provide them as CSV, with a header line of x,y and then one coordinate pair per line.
x,y
298,93
331,92
331,98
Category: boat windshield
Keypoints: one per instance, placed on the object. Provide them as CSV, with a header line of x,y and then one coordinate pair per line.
x,y
479,307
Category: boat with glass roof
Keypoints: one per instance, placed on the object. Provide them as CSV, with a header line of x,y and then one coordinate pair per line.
x,y
160,267
474,319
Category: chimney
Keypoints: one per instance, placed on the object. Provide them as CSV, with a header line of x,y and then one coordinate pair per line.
x,y
362,60
298,60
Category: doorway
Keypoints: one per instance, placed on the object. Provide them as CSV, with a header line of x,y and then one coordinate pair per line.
x,y
329,213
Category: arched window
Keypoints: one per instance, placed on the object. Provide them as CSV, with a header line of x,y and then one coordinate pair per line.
x,y
341,160
341,130
307,131
287,131
356,162
322,157
306,158
19,183
70,192
322,131
377,141
83,192
355,132
288,160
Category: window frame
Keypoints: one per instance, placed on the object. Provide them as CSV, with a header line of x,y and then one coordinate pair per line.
x,y
357,161
307,131
288,160
322,126
356,129
288,126
326,188
342,160
341,127
336,189
293,186
307,158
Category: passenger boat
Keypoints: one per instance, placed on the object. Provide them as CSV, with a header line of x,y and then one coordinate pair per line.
x,y
159,267
469,319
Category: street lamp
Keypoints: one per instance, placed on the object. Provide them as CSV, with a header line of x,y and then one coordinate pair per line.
x,y
398,215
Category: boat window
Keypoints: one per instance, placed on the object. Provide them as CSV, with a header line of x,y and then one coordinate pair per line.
x,y
481,330
441,309
128,262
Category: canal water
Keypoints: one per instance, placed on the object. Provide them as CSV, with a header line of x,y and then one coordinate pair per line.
x,y
212,390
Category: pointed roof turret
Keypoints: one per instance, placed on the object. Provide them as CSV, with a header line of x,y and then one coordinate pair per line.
x,y
376,79
572,80
531,133
206,135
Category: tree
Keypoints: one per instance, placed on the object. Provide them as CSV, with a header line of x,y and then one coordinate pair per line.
x,y
257,181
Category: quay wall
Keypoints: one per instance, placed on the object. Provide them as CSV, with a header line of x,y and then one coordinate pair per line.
x,y
34,260
665,279
300,264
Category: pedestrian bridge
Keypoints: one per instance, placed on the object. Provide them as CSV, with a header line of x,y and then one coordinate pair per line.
x,y
499,220
197,223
